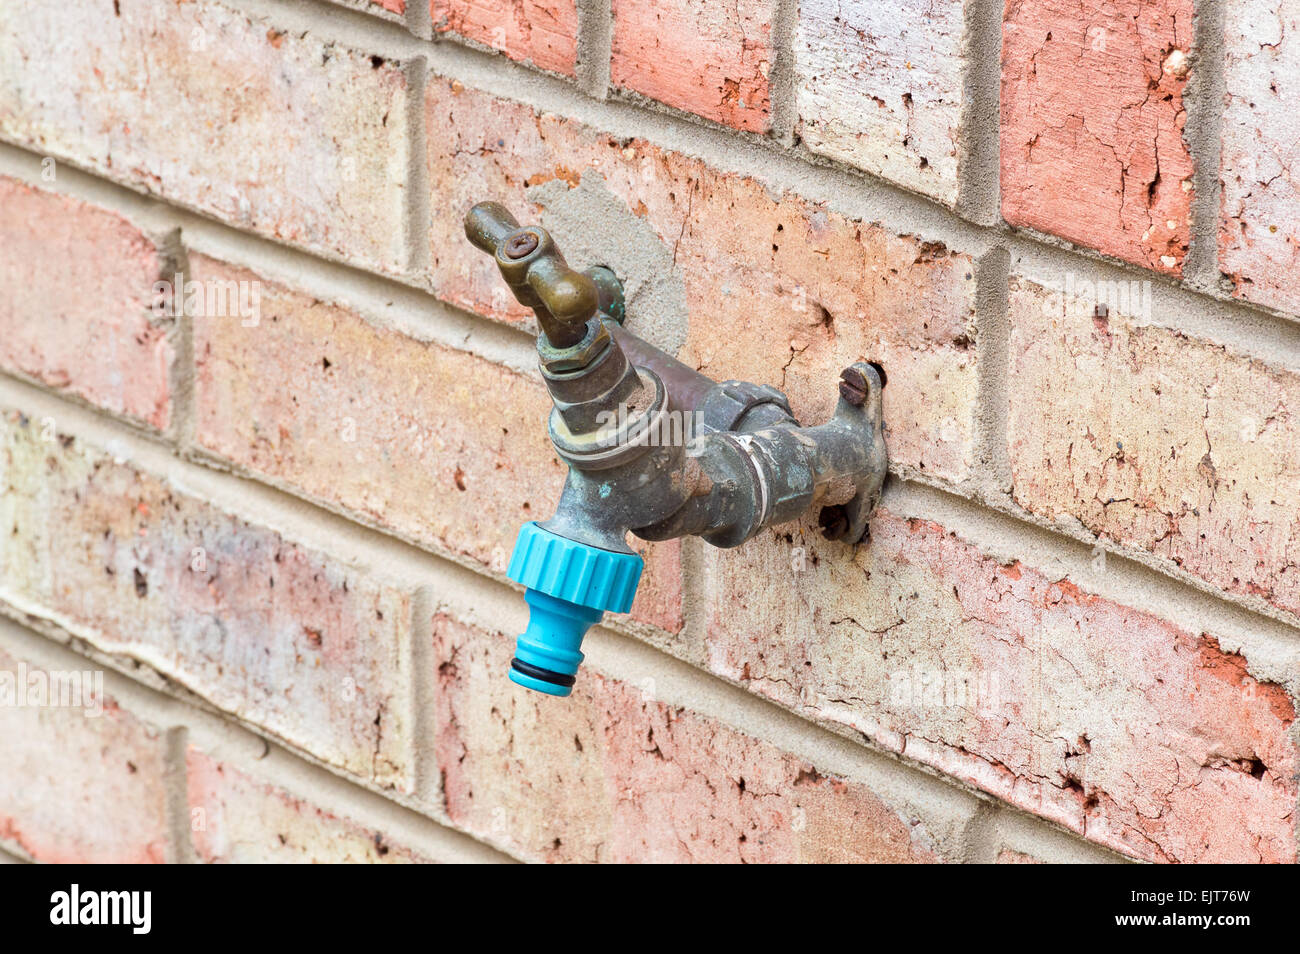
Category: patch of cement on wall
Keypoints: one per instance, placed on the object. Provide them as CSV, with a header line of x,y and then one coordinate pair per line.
x,y
593,226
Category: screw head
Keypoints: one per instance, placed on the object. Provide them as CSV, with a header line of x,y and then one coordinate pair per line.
x,y
521,245
834,521
853,387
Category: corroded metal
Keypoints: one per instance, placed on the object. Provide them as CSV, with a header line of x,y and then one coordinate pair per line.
x,y
610,292
658,449
564,300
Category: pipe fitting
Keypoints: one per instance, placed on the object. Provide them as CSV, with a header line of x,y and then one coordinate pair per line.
x,y
657,449
741,406
581,393
608,435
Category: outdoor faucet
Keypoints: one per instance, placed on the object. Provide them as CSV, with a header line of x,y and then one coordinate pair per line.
x,y
656,448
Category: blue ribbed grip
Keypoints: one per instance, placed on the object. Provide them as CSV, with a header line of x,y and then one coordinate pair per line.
x,y
570,586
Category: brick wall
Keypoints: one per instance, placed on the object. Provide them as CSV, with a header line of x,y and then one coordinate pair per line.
x,y
268,425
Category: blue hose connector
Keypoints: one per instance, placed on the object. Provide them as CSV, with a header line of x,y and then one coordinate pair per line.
x,y
570,586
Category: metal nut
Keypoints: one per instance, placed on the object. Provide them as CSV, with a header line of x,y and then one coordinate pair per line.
x,y
580,355
726,404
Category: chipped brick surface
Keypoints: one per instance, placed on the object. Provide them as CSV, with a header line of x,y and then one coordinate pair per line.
x,y
612,775
76,314
1092,125
373,6
80,784
1163,442
182,98
879,86
271,631
1141,736
788,294
1008,856
707,58
236,818
541,32
1259,232
392,428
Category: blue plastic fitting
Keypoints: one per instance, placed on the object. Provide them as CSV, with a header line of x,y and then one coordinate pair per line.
x,y
570,586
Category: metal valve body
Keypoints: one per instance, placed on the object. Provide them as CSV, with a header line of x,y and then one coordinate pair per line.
x,y
657,449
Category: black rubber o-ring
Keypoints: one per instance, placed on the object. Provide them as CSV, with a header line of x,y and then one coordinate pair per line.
x,y
545,675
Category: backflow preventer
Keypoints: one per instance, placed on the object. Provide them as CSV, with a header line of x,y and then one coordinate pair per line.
x,y
658,449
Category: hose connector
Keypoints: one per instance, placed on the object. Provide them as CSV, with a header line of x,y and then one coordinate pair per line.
x,y
570,586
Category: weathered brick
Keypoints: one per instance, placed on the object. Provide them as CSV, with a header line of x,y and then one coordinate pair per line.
x,y
80,784
76,315
1092,124
442,446
879,86
706,58
1259,243
1009,856
1015,838
541,32
612,775
787,294
374,6
236,818
1170,444
272,631
1141,736
297,138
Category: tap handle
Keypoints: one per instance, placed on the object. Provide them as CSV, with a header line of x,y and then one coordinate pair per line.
x,y
488,225
564,299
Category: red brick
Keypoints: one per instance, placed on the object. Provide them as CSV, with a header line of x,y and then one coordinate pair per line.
x,y
392,6
612,775
1259,246
878,85
441,446
787,294
81,785
1166,443
706,58
299,139
77,312
1139,735
541,32
237,818
1092,125
270,630
1008,856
